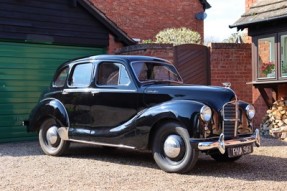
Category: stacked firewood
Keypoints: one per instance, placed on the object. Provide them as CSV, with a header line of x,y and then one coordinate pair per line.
x,y
276,120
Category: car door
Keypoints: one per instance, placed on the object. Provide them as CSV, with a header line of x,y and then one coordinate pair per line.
x,y
76,96
114,97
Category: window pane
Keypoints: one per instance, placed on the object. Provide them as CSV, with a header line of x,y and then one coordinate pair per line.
x,y
61,78
124,77
284,56
266,58
112,74
82,75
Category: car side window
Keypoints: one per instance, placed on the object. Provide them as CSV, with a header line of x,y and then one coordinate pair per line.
x,y
81,76
112,74
61,78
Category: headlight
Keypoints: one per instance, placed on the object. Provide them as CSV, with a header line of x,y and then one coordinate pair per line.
x,y
205,113
250,111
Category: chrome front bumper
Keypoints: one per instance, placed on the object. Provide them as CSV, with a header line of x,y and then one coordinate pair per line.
x,y
220,144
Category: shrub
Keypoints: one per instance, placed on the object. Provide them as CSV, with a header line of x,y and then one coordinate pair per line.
x,y
177,36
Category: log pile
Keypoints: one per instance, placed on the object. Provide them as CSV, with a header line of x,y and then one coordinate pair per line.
x,y
275,120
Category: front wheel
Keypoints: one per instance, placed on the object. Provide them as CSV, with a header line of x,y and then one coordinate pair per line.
x,y
49,139
172,150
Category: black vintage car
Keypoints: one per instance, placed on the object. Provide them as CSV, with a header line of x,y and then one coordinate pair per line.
x,y
140,102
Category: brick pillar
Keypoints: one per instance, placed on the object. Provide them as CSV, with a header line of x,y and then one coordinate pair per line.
x,y
113,45
231,62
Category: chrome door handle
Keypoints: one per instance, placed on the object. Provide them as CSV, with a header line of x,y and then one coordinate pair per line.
x,y
95,92
65,92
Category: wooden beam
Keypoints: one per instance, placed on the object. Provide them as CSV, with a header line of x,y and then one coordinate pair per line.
x,y
268,101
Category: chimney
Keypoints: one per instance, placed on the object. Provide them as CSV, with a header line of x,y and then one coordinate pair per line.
x,y
248,4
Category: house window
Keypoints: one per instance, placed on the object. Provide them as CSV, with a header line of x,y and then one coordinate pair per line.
x,y
283,63
266,63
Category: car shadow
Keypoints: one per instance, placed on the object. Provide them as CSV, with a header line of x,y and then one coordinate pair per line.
x,y
113,155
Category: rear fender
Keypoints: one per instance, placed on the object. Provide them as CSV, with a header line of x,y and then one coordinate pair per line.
x,y
48,108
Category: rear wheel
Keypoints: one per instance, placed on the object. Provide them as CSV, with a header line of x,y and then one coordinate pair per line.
x,y
172,150
49,139
223,157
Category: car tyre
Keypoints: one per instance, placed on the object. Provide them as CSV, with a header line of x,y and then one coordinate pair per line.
x,y
223,157
179,158
49,139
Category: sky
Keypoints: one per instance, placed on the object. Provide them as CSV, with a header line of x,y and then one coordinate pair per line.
x,y
222,14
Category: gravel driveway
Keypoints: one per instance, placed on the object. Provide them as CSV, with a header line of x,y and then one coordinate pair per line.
x,y
23,166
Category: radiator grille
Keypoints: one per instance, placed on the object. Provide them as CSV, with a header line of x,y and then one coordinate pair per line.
x,y
230,119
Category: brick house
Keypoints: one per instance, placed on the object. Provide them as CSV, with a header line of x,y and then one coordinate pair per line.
x,y
266,21
142,20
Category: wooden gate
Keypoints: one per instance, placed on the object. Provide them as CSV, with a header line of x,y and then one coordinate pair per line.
x,y
193,63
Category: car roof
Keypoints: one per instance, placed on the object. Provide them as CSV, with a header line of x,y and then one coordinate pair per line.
x,y
125,58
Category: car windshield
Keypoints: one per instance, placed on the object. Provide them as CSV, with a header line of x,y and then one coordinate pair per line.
x,y
155,72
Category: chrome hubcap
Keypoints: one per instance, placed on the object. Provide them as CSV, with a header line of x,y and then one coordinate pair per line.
x,y
52,135
172,146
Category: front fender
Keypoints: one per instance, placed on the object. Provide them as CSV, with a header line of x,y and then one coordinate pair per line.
x,y
184,111
48,108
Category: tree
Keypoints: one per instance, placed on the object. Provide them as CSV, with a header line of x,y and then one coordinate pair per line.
x,y
236,38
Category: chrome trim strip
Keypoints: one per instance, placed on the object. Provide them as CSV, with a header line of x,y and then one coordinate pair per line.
x,y
76,90
116,90
63,132
94,90
101,144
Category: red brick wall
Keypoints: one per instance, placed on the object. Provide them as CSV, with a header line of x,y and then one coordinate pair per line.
x,y
143,19
232,63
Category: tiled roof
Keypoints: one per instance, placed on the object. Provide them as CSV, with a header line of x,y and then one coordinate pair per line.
x,y
262,11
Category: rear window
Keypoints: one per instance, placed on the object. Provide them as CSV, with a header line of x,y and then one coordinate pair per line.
x,y
61,78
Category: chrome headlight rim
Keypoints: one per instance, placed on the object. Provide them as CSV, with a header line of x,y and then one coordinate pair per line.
x,y
205,113
250,111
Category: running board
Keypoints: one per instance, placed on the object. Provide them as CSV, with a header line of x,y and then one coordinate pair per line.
x,y
63,133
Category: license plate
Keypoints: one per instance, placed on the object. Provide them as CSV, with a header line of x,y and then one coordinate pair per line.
x,y
239,150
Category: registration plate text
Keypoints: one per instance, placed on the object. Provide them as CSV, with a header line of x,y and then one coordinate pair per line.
x,y
240,150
